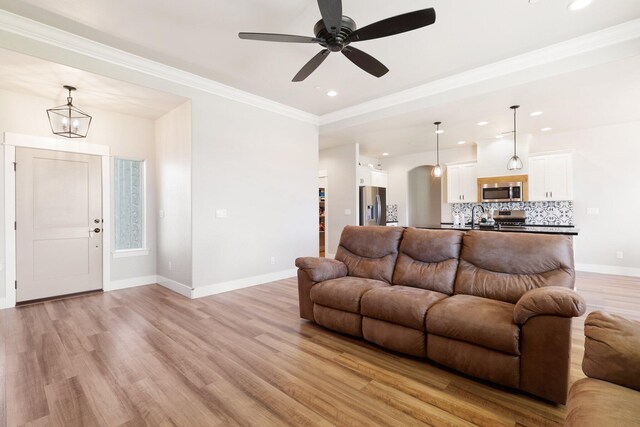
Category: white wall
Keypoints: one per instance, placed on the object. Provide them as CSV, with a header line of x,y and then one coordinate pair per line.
x,y
606,176
398,168
342,191
173,177
128,136
262,168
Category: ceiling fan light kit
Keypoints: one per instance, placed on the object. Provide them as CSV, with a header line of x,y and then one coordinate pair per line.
x,y
336,32
68,120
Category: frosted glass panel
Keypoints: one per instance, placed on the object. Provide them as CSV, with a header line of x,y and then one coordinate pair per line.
x,y
129,204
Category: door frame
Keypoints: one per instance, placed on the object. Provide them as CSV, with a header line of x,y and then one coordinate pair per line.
x,y
13,141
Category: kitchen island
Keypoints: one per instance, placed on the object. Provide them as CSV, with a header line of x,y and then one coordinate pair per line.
x,y
533,229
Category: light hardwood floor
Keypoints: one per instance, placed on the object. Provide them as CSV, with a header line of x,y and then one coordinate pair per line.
x,y
147,356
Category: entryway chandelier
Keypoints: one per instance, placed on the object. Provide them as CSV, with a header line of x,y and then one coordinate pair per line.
x,y
67,120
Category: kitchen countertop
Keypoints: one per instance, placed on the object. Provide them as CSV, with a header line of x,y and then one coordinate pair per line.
x,y
567,231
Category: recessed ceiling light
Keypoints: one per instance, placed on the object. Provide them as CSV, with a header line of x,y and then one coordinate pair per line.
x,y
579,4
332,93
545,129
385,154
462,142
536,113
439,131
483,123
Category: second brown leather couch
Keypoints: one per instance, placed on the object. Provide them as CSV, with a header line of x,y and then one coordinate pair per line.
x,y
497,306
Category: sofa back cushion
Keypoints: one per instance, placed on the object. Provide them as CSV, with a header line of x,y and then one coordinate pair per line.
x,y
369,251
503,266
428,259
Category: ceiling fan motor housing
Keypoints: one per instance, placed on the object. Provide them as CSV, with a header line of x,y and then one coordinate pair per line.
x,y
337,43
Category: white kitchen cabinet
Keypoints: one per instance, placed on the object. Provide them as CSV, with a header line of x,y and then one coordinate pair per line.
x,y
379,178
364,176
551,177
372,177
462,183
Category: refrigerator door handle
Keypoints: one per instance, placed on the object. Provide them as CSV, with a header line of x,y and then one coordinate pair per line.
x,y
379,203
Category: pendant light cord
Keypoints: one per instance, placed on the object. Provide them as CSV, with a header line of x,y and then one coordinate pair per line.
x,y
437,144
515,133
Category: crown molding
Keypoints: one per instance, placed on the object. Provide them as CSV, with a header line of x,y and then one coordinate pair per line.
x,y
52,36
583,44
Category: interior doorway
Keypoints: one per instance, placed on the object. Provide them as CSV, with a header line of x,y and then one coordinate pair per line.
x,y
58,223
424,197
322,213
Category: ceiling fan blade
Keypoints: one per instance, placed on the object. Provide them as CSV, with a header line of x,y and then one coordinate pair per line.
x,y
285,38
365,61
331,11
311,66
394,25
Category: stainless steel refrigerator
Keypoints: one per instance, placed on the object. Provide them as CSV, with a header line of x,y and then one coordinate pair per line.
x,y
373,206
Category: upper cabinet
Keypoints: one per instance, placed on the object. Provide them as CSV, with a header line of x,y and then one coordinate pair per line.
x,y
462,183
372,177
551,177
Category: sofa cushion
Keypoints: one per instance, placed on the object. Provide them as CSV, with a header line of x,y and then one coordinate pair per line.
x,y
394,337
595,403
476,320
612,349
428,259
344,293
369,252
402,305
503,266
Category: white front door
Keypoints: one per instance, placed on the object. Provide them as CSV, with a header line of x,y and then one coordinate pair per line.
x,y
59,223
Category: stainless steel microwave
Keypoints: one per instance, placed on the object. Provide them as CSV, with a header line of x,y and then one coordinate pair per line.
x,y
502,192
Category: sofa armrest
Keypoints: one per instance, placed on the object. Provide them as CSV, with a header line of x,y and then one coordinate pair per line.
x,y
550,300
612,349
321,269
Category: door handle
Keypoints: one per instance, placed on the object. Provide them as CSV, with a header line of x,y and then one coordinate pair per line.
x,y
96,230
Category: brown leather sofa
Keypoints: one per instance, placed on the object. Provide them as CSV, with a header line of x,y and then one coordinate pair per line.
x,y
611,394
494,305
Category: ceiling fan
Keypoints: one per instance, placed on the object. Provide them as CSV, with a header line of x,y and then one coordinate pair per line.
x,y
336,32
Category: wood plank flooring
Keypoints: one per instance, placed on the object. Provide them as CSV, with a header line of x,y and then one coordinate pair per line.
x,y
147,356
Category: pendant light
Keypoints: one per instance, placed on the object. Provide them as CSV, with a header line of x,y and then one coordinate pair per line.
x,y
514,162
67,120
437,169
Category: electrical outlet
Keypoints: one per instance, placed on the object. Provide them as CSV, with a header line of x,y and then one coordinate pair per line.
x,y
620,255
273,260
170,266
221,213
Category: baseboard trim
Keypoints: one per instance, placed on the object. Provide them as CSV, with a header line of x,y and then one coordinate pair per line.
x,y
131,282
177,287
608,269
218,288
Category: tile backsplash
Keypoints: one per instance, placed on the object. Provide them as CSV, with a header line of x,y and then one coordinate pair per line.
x,y
392,213
537,213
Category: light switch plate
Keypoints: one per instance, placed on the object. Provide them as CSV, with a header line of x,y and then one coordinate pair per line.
x,y
347,211
221,213
161,213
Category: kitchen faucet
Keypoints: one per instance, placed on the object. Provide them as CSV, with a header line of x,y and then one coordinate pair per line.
x,y
473,212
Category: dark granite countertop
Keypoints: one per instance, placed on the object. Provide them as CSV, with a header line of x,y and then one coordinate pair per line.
x,y
537,229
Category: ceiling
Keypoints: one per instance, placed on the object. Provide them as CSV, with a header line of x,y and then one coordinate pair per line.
x,y
201,37
591,97
33,76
